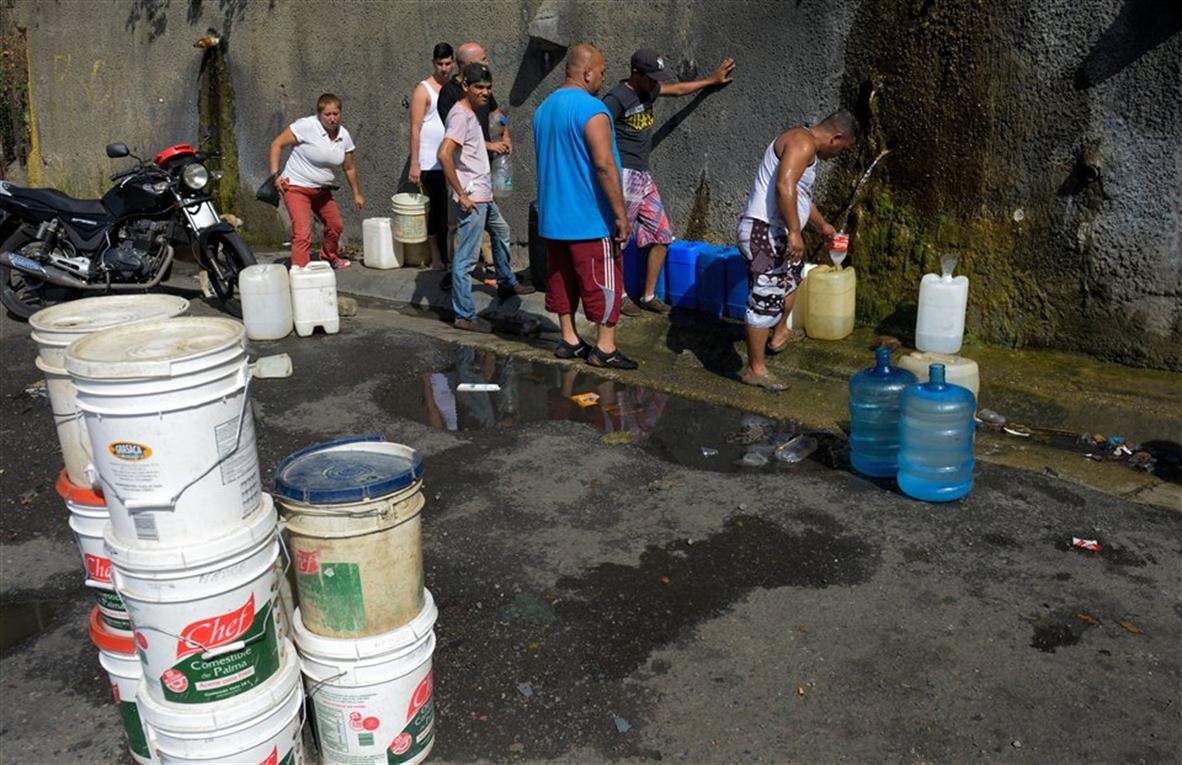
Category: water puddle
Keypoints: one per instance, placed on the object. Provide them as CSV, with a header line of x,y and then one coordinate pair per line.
x,y
22,619
483,391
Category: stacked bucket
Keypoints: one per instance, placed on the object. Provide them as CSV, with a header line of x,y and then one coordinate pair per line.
x,y
178,539
54,330
364,628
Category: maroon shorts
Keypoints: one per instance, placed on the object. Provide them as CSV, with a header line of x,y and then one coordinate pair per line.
x,y
591,271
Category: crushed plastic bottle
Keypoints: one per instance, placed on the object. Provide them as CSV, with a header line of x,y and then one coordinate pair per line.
x,y
753,459
796,450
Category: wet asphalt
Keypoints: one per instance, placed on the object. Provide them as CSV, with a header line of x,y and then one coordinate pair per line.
x,y
610,591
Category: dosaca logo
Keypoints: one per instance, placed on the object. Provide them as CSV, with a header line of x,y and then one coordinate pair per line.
x,y
129,451
216,630
421,696
272,758
98,568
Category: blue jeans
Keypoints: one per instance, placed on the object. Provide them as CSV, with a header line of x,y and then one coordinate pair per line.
x,y
470,226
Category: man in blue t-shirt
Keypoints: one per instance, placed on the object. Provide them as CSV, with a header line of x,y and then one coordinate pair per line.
x,y
581,209
631,105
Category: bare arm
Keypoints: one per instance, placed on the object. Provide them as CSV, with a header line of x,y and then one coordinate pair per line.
x,y
819,224
796,153
447,158
281,142
351,175
598,132
419,101
720,76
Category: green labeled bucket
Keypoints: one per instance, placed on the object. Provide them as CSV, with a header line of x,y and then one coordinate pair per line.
x,y
351,509
203,614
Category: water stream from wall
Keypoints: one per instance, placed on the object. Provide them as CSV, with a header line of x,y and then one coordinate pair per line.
x,y
845,216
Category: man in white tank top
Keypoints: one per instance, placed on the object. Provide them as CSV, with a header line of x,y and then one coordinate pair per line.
x,y
778,207
426,133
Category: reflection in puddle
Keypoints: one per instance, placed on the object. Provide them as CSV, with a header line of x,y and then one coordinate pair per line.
x,y
686,432
20,620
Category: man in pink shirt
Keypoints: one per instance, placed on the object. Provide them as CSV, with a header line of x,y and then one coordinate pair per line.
x,y
465,165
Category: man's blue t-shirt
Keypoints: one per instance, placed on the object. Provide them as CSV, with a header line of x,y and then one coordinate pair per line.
x,y
571,204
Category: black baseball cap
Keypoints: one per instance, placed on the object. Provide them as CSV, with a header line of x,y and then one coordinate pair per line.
x,y
476,72
647,62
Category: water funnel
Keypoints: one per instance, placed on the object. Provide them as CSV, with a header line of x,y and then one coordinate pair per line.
x,y
948,263
838,249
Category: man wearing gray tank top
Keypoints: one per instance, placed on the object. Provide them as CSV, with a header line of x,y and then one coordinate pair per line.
x,y
778,207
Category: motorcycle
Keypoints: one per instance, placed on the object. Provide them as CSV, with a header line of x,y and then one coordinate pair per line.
x,y
57,248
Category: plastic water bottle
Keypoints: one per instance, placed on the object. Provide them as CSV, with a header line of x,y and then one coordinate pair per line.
x,y
502,176
838,249
502,164
936,439
874,416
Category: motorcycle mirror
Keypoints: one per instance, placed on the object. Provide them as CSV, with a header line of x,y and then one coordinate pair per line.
x,y
117,150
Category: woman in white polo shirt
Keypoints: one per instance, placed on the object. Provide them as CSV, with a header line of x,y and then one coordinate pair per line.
x,y
321,145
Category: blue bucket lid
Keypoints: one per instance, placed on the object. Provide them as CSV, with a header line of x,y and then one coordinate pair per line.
x,y
353,469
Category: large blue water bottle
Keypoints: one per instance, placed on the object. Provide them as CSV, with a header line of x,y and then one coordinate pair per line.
x,y
874,416
936,439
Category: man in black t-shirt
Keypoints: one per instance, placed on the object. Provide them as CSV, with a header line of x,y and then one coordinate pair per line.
x,y
631,105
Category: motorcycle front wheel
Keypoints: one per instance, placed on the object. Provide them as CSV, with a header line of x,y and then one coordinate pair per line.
x,y
226,255
24,295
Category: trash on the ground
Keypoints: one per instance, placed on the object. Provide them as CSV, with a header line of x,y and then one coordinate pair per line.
x,y
753,459
1131,628
477,388
346,306
525,689
1143,461
270,367
585,399
666,579
622,725
1087,544
1016,744
991,417
27,498
1115,441
661,484
1087,618
796,450
1017,429
708,451
618,438
37,390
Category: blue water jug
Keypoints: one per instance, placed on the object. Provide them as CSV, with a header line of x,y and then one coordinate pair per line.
x,y
681,276
874,416
936,439
711,280
635,269
736,284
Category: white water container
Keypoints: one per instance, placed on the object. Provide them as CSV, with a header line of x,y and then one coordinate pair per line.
x,y
379,244
118,657
172,433
314,298
939,325
380,685
263,725
203,614
957,369
266,301
55,328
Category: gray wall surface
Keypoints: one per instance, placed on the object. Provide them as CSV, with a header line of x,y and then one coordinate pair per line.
x,y
1042,140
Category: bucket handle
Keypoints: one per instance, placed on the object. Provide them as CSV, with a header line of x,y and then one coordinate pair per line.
x,y
169,504
318,681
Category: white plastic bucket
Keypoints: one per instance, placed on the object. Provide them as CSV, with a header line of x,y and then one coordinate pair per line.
x,y
263,726
203,614
352,512
117,657
88,519
372,697
168,413
410,217
55,328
